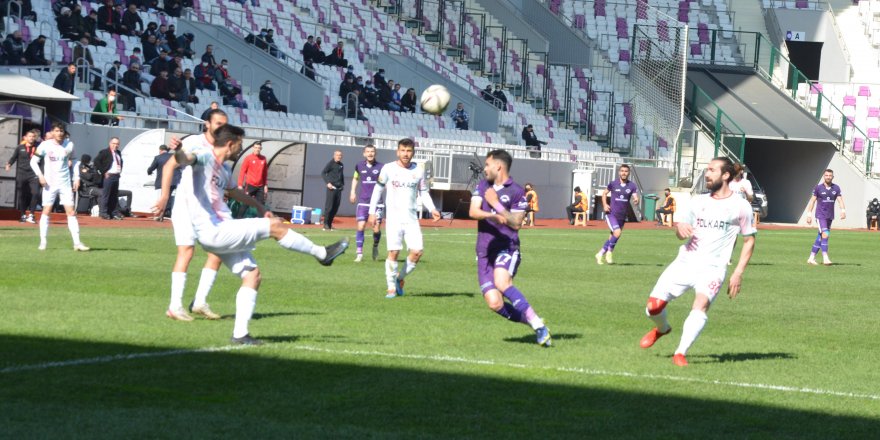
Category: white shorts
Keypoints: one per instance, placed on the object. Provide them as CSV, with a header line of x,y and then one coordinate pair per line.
x,y
184,234
233,241
396,234
679,277
64,193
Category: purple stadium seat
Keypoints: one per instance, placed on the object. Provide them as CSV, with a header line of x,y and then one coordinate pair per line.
x,y
874,134
864,91
858,145
849,101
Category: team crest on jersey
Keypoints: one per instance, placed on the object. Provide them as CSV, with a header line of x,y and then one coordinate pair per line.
x,y
504,198
628,191
375,171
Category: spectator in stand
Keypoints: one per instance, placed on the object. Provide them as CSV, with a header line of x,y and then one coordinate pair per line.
x,y
66,27
207,113
395,98
532,143
460,117
208,56
105,112
114,77
184,45
349,73
224,80
160,88
162,40
109,163
152,29
136,56
319,56
82,57
108,19
337,56
204,75
151,51
269,100
235,101
270,42
353,107
24,8
369,97
359,83
308,50
131,79
65,79
177,86
408,102
89,27
384,93
379,80
14,47
346,87
35,53
308,69
487,95
190,86
173,8
171,38
131,21
58,6
252,178
162,62
501,98
26,182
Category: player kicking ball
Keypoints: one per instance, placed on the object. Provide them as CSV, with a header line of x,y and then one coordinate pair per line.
x,y
499,204
621,191
233,240
710,228
56,183
406,184
366,172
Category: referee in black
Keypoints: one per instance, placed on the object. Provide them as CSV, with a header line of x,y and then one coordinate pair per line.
x,y
334,178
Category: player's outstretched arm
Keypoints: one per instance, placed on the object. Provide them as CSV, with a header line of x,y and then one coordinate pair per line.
x,y
745,255
242,197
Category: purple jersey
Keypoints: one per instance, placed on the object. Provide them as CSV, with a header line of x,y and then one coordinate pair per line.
x,y
492,237
620,194
825,198
367,175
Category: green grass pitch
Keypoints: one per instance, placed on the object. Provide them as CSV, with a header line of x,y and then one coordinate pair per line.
x,y
86,351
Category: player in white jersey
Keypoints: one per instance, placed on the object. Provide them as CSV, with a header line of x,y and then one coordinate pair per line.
x,y
406,185
233,240
184,236
740,185
710,228
55,180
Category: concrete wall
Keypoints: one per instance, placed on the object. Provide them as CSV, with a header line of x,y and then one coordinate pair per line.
x,y
568,47
509,16
252,67
411,73
818,27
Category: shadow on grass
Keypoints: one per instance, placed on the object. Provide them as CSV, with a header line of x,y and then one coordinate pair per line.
x,y
278,389
279,314
638,264
740,357
530,339
443,295
98,249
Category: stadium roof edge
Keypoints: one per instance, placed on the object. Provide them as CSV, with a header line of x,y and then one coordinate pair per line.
x,y
20,86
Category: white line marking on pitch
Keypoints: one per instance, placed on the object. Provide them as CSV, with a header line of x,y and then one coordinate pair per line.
x,y
439,358
117,357
592,372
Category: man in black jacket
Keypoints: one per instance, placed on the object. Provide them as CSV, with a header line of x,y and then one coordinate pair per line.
x,y
334,178
269,100
109,164
36,52
158,166
26,182
13,47
532,142
65,79
873,212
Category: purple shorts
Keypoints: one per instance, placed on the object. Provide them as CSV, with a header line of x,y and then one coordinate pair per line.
x,y
363,211
487,264
824,224
614,223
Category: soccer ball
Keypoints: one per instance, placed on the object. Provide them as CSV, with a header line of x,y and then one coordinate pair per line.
x,y
435,99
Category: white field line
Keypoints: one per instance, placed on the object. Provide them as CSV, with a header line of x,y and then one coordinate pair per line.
x,y
444,359
115,358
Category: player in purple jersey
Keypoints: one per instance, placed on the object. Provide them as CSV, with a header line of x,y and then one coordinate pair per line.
x,y
621,191
366,172
499,204
824,196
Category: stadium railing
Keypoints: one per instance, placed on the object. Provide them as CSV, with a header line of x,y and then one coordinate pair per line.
x,y
724,131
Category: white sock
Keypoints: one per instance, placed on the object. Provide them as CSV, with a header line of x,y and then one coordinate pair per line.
x,y
692,327
178,283
205,283
535,321
44,228
659,320
297,242
73,226
407,269
245,302
390,273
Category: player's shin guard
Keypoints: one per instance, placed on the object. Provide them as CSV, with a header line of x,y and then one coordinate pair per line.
x,y
817,244
656,311
245,303
509,312
612,242
359,241
178,283
407,269
823,244
73,227
376,237
519,302
297,242
391,274
205,283
44,227
691,329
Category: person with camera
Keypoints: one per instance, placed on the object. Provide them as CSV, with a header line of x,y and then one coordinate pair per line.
x,y
873,212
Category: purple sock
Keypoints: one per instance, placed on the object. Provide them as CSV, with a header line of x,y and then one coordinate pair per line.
x,y
509,313
817,243
604,247
612,242
376,237
518,301
824,245
359,240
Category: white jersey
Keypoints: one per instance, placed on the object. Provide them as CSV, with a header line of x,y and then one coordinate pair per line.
x,y
209,178
191,145
55,167
404,186
743,188
716,223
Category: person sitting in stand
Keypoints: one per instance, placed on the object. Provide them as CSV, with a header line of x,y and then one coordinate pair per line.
x,y
460,117
337,56
269,100
395,97
105,112
500,98
346,87
160,88
408,101
204,75
532,142
667,208
319,56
